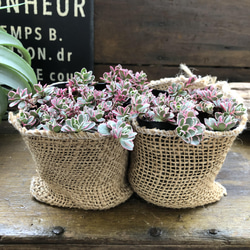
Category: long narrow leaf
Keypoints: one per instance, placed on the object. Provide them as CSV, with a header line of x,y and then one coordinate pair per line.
x,y
11,78
12,60
9,40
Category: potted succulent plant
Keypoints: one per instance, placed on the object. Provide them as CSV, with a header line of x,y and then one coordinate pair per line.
x,y
176,166
79,137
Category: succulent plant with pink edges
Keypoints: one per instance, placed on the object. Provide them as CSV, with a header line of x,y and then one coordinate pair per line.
x,y
79,106
191,110
189,128
221,122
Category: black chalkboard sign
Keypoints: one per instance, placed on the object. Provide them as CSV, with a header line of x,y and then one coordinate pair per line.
x,y
57,33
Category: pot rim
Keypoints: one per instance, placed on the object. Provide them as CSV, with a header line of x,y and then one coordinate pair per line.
x,y
53,135
207,133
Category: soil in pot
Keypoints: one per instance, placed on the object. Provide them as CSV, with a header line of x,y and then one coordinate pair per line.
x,y
156,92
155,124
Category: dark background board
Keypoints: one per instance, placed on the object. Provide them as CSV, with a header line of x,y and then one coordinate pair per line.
x,y
59,35
210,36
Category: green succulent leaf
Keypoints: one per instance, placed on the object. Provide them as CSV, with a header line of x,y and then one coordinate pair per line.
x,y
103,129
190,121
185,127
57,129
196,140
127,144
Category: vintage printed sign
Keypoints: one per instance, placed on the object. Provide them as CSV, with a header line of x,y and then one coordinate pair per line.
x,y
57,33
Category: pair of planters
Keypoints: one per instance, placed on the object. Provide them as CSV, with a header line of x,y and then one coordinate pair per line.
x,y
89,171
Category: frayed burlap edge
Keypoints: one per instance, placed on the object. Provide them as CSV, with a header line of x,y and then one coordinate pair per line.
x,y
198,196
101,197
200,82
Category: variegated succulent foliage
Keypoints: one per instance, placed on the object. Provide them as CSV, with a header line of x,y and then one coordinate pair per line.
x,y
81,107
191,110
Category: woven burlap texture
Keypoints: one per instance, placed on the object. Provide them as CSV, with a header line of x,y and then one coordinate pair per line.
x,y
168,172
83,170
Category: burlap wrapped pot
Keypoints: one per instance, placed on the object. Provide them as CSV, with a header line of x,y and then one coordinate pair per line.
x,y
77,170
168,172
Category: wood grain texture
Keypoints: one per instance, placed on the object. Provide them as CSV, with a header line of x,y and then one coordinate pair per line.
x,y
155,72
135,223
166,33
113,247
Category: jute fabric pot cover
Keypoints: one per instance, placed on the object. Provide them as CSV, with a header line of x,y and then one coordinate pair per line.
x,y
168,172
77,170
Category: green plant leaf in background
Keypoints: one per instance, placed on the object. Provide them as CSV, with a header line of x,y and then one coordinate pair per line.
x,y
15,68
10,41
12,79
13,61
